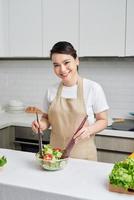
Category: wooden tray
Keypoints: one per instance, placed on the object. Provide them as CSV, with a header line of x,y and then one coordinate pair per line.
x,y
114,188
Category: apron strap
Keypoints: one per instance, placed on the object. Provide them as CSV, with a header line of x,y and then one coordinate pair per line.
x,y
80,93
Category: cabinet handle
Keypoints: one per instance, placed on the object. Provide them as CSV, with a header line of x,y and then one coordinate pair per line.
x,y
28,143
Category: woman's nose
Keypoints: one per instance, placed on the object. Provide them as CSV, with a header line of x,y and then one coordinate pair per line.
x,y
63,68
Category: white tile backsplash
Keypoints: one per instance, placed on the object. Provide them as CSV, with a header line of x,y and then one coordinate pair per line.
x,y
27,81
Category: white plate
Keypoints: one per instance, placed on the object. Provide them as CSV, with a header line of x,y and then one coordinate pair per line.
x,y
15,103
13,108
15,111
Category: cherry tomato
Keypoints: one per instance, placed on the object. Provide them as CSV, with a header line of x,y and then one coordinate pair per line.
x,y
57,149
48,157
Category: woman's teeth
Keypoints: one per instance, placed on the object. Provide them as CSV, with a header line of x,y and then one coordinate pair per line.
x,y
64,75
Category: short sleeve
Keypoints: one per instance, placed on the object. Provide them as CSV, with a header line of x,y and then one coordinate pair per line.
x,y
99,99
46,101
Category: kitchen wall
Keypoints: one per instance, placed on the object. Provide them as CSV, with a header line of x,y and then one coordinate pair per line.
x,y
27,81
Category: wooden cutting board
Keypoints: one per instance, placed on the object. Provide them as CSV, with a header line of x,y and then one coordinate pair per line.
x,y
117,189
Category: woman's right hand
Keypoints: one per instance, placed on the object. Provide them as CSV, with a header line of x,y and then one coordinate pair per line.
x,y
38,126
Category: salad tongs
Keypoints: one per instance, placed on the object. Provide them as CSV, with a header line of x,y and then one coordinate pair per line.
x,y
40,136
71,143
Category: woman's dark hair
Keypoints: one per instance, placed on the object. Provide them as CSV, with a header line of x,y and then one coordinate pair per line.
x,y
63,47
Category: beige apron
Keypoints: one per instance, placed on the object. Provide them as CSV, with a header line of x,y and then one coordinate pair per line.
x,y
65,115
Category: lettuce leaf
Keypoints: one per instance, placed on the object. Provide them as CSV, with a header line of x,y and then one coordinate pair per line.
x,y
122,174
3,161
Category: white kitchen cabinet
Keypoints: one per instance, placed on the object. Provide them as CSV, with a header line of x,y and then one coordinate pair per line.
x,y
3,28
25,28
130,28
60,22
102,27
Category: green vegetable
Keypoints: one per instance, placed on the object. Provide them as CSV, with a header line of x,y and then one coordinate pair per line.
x,y
122,174
57,154
53,153
51,158
47,149
3,161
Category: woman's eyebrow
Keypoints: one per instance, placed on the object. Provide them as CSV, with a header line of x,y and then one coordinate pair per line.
x,y
66,60
55,63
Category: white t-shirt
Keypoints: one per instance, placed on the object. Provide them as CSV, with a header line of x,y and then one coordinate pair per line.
x,y
94,97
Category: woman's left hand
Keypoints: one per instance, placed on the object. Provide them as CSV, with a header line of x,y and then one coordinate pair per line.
x,y
88,130
83,133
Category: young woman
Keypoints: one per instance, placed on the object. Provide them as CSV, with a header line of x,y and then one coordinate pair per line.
x,y
68,102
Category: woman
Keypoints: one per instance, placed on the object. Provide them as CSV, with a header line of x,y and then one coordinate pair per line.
x,y
67,103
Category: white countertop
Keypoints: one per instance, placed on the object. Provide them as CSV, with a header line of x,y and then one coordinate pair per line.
x,y
23,178
25,120
16,119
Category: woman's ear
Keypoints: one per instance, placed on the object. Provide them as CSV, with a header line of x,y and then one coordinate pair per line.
x,y
77,61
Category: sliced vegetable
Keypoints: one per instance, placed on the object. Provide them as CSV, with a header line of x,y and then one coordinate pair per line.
x,y
47,149
48,157
57,149
3,161
51,158
50,153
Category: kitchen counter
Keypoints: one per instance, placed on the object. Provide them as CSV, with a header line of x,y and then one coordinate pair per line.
x,y
25,120
23,178
16,119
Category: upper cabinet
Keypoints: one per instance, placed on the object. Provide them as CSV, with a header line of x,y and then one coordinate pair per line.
x,y
102,27
25,28
60,22
130,28
3,28
29,28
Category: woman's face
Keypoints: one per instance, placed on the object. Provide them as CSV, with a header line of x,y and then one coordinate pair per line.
x,y
65,67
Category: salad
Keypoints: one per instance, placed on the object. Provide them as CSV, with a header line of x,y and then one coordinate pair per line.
x,y
122,174
51,158
3,161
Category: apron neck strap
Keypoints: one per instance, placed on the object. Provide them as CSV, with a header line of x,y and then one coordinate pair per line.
x,y
79,88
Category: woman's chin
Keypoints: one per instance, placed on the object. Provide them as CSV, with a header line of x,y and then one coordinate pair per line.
x,y
65,79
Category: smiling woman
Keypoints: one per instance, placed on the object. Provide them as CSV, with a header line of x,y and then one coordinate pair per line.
x,y
65,62
67,103
65,67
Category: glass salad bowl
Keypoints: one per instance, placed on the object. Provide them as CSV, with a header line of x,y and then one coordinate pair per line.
x,y
51,158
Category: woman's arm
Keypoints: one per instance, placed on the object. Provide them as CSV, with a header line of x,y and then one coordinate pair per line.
x,y
88,130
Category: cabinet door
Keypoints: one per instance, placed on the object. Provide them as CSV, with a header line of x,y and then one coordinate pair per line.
x,y
130,28
3,28
7,137
25,28
60,22
110,156
102,27
113,149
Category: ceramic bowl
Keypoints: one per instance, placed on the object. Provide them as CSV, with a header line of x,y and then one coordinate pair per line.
x,y
15,103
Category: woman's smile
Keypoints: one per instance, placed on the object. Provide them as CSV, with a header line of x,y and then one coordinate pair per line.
x,y
65,75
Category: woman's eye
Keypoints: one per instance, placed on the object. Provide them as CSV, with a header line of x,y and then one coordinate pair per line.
x,y
56,65
66,63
